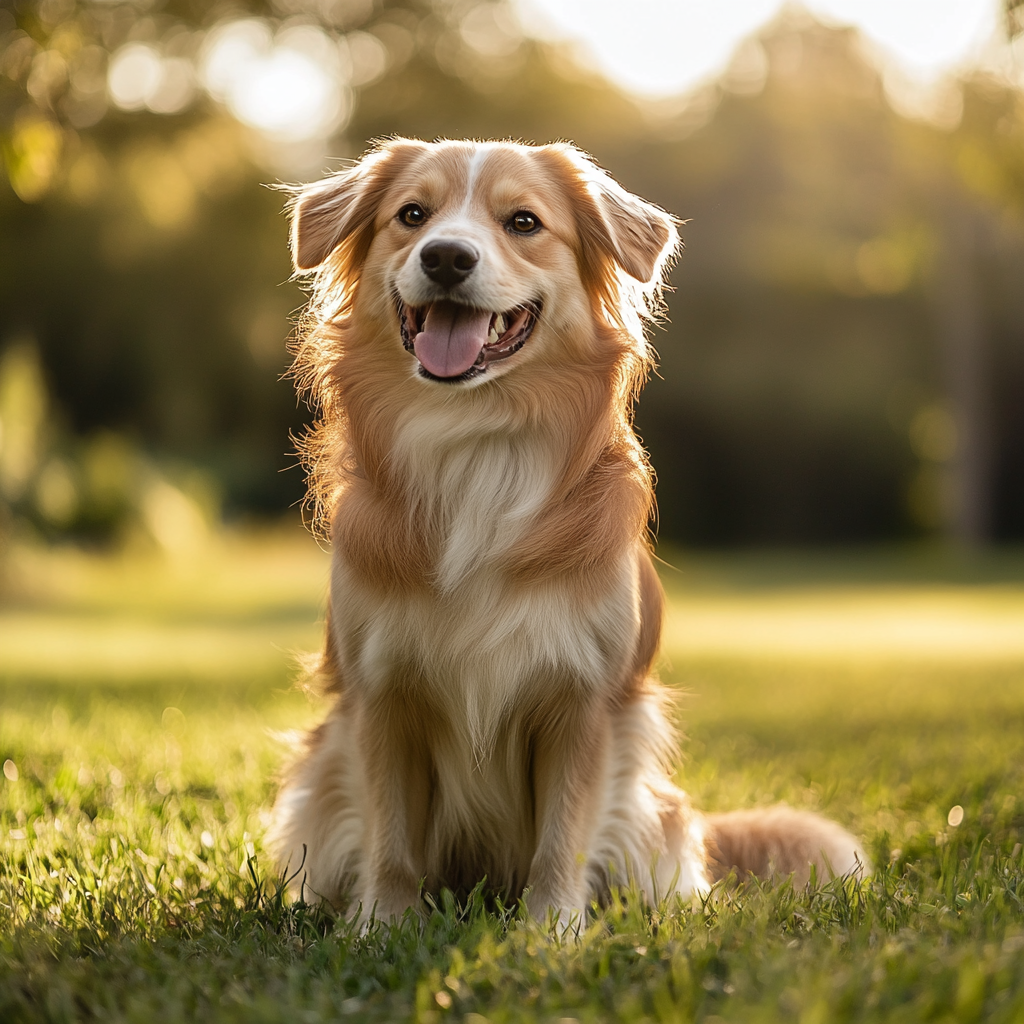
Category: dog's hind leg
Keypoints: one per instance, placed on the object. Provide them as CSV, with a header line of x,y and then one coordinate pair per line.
x,y
317,830
647,832
779,842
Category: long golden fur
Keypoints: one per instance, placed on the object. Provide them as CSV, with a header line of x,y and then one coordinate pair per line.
x,y
474,342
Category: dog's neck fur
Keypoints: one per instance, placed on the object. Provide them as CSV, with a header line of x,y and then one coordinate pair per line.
x,y
469,481
480,489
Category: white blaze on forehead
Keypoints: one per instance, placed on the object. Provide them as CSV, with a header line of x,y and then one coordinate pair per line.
x,y
476,163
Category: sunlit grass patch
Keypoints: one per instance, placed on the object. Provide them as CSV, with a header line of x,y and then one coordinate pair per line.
x,y
236,611
928,605
134,885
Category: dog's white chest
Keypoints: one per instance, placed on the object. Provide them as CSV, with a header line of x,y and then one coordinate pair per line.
x,y
480,489
481,644
486,648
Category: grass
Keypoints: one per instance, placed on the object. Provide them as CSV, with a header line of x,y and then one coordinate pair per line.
x,y
140,701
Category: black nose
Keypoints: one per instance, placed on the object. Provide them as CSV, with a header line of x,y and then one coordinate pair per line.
x,y
448,262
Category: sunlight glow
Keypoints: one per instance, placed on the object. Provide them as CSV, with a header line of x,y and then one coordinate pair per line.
x,y
662,47
292,86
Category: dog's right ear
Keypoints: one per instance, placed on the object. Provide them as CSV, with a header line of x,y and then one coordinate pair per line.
x,y
326,212
322,215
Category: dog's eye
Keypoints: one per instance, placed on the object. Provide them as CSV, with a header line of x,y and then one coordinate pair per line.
x,y
523,223
413,215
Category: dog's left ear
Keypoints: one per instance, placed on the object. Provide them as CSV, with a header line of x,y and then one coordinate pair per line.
x,y
640,236
615,224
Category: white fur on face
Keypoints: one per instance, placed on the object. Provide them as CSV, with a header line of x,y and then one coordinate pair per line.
x,y
495,284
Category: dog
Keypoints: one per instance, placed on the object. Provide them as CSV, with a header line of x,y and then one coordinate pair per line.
x,y
474,342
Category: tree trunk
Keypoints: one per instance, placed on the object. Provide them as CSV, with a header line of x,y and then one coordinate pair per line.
x,y
964,355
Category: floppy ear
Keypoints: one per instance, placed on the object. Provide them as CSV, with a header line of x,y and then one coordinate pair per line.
x,y
615,224
322,214
326,212
640,236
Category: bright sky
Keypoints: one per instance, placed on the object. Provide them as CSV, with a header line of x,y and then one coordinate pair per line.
x,y
666,46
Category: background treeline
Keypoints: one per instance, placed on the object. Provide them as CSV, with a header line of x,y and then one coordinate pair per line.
x,y
844,359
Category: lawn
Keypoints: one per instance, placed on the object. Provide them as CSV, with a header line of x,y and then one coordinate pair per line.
x,y
143,706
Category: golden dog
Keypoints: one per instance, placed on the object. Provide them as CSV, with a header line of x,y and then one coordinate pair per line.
x,y
474,342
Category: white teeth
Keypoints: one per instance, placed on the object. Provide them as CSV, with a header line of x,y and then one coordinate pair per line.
x,y
498,328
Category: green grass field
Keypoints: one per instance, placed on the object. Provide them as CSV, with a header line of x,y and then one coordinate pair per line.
x,y
141,706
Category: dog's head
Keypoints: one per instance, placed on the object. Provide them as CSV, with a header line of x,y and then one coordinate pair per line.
x,y
478,257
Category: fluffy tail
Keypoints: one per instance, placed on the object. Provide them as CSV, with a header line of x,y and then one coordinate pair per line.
x,y
778,842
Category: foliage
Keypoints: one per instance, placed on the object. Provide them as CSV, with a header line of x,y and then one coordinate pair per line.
x,y
1014,19
133,885
808,390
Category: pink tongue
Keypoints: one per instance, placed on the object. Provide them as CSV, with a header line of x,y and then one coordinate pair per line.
x,y
452,338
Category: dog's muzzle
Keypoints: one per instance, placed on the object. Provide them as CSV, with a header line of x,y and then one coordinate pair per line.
x,y
454,342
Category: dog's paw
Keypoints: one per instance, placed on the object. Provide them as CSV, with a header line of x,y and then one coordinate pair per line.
x,y
565,916
373,909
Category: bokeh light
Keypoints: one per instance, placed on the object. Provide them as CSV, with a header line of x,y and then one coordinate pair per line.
x,y
293,85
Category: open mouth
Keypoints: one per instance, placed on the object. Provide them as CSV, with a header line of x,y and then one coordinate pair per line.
x,y
455,343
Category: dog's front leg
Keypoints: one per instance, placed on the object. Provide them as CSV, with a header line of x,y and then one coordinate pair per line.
x,y
397,774
568,775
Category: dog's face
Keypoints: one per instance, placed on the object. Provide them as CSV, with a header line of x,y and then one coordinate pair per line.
x,y
478,258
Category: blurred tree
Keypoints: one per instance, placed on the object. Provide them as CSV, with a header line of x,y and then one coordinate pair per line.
x,y
1014,17
819,231
808,388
